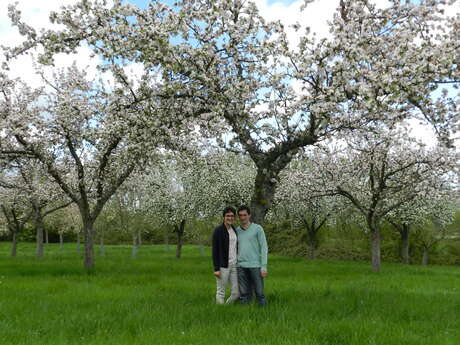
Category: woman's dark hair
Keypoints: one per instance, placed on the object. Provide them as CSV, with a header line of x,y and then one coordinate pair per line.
x,y
229,209
244,208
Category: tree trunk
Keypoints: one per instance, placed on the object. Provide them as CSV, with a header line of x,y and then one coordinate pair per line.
x,y
134,249
180,233
39,232
61,240
179,246
262,197
139,238
375,233
405,244
89,244
47,238
312,243
201,249
426,256
311,252
14,243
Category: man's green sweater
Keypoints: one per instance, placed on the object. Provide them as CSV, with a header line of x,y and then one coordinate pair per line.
x,y
252,247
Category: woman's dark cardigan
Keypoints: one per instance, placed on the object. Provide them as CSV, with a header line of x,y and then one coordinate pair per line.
x,y
220,245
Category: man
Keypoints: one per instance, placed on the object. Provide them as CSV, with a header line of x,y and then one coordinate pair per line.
x,y
252,258
224,257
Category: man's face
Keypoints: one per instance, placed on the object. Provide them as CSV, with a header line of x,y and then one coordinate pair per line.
x,y
244,217
229,218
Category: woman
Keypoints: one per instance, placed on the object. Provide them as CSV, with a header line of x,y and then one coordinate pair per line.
x,y
224,249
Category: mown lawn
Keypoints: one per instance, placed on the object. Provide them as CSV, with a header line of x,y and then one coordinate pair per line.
x,y
156,299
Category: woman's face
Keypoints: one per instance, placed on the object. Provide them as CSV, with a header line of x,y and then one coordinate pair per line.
x,y
229,218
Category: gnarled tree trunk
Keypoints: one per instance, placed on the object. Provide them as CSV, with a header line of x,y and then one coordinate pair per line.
x,y
88,260
375,234
135,244
313,226
262,198
405,243
312,243
15,225
375,245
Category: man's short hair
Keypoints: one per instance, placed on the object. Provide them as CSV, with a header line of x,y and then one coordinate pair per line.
x,y
244,208
229,209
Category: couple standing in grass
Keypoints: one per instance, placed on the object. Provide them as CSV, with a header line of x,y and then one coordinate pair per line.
x,y
239,257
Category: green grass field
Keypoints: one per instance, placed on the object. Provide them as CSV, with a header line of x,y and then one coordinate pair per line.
x,y
157,299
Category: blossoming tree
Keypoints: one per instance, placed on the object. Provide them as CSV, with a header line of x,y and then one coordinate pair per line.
x,y
16,213
25,178
196,185
237,76
380,173
297,199
437,204
87,135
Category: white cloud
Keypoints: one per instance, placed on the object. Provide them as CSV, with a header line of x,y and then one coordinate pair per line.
x,y
36,14
134,71
422,132
315,16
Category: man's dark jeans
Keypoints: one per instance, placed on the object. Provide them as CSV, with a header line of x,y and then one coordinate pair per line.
x,y
249,280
